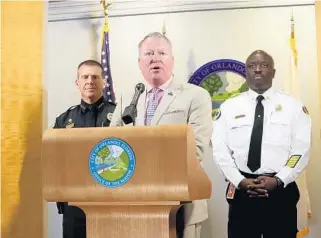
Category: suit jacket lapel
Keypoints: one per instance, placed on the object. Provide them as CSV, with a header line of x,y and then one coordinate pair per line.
x,y
168,97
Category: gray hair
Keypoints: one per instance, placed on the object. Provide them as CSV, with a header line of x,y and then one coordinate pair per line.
x,y
154,35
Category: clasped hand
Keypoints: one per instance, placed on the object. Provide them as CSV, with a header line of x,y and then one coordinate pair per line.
x,y
259,187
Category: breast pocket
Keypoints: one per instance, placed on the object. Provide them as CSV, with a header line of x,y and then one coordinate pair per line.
x,y
239,132
174,117
278,131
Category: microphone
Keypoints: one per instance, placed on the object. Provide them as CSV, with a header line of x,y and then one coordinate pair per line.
x,y
130,112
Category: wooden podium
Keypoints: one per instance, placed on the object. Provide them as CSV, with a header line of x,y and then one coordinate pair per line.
x,y
166,175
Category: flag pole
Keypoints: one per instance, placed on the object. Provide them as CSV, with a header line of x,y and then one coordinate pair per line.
x,y
108,91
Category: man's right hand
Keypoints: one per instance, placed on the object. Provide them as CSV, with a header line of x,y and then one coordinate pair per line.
x,y
246,184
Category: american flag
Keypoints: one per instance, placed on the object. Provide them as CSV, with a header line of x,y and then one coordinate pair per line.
x,y
108,91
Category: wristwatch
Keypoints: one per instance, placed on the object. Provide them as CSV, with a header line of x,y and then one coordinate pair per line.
x,y
280,183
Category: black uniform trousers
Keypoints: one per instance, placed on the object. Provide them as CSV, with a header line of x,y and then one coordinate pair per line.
x,y
272,217
74,222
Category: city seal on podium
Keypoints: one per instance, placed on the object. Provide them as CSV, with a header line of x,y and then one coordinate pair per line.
x,y
112,162
223,78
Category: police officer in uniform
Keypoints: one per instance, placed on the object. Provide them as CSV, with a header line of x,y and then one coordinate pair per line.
x,y
261,143
93,111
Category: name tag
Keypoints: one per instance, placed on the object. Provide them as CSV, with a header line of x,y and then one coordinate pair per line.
x,y
239,116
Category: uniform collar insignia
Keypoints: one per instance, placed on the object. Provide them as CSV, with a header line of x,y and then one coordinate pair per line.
x,y
305,110
100,105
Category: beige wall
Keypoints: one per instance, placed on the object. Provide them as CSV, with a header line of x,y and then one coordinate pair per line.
x,y
197,37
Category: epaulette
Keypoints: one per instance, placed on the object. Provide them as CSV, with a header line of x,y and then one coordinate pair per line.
x,y
72,107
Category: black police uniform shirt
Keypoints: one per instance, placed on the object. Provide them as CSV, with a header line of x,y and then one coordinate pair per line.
x,y
98,114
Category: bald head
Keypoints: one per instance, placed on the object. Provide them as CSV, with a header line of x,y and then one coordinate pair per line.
x,y
259,71
263,53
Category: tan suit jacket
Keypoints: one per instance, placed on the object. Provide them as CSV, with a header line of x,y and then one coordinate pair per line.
x,y
181,103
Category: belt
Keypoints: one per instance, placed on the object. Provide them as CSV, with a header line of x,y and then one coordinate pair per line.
x,y
253,176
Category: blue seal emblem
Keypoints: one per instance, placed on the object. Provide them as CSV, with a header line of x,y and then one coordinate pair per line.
x,y
223,79
112,162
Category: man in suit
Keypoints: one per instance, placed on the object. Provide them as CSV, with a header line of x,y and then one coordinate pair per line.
x,y
166,101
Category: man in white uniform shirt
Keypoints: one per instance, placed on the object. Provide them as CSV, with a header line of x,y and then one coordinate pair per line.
x,y
167,101
261,143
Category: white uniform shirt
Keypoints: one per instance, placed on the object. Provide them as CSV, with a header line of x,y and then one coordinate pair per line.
x,y
286,136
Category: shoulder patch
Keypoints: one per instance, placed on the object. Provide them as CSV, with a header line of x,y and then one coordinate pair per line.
x,y
305,110
216,114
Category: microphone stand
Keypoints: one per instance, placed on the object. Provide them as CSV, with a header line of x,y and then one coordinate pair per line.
x,y
134,117
121,110
130,113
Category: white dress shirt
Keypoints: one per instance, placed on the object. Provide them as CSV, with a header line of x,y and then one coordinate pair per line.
x,y
286,136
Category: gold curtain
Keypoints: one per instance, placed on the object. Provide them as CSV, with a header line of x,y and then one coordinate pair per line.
x,y
21,118
318,31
